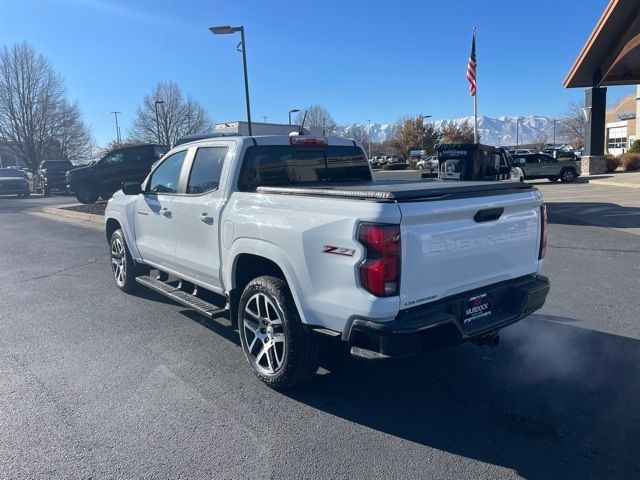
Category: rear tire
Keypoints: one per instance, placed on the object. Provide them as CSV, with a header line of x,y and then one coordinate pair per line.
x,y
123,267
568,175
86,194
274,341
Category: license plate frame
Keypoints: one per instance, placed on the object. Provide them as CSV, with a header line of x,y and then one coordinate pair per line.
x,y
476,308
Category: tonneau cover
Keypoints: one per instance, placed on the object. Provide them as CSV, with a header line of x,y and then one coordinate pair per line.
x,y
402,190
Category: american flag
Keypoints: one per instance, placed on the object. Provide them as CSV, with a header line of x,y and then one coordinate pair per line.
x,y
471,67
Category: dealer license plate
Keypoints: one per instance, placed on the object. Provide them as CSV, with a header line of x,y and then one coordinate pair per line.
x,y
477,307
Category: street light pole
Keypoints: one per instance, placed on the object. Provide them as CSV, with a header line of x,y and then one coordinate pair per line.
x,y
422,131
156,102
293,110
369,137
226,30
517,125
117,127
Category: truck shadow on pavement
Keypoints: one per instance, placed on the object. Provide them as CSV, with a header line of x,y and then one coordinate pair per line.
x,y
600,214
552,401
544,181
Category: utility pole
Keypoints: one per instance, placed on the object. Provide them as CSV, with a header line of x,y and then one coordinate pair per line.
x,y
554,133
265,118
117,127
517,127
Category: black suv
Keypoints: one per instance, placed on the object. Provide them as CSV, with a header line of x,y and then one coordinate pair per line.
x,y
52,175
103,178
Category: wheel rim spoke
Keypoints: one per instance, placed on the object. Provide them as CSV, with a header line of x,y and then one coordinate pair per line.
x,y
262,330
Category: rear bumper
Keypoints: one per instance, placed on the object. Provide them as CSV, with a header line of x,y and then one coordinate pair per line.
x,y
440,324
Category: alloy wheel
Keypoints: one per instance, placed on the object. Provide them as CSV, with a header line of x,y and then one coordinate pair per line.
x,y
118,261
264,335
568,176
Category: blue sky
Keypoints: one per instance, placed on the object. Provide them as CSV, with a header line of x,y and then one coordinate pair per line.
x,y
362,60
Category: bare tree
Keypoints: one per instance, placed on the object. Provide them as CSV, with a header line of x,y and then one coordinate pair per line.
x,y
358,133
317,116
177,116
572,125
37,122
540,142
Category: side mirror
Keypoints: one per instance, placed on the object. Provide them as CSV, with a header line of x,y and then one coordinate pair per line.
x,y
131,188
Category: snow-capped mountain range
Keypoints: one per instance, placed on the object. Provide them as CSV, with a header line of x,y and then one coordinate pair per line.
x,y
493,131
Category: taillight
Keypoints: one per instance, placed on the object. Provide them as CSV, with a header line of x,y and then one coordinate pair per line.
x,y
380,271
543,232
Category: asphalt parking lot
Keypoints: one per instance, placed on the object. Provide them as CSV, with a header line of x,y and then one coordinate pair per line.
x,y
97,383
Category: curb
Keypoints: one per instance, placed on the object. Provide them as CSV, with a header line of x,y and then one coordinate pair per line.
x,y
88,220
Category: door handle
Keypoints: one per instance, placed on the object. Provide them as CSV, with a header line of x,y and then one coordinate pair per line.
x,y
165,211
205,218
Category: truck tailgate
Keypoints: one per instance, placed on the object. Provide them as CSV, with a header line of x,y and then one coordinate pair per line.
x,y
448,247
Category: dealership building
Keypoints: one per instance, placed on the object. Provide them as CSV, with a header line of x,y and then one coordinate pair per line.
x,y
622,129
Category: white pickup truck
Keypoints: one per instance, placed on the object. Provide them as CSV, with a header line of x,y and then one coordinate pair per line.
x,y
294,239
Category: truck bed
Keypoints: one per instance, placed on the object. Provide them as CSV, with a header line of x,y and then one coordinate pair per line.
x,y
402,190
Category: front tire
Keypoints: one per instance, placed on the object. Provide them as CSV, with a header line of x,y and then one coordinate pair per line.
x,y
86,194
553,179
274,341
122,265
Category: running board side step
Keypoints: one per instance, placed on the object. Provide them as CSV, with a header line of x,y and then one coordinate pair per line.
x,y
187,299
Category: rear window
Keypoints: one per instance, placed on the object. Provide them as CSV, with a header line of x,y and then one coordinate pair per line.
x,y
59,165
285,165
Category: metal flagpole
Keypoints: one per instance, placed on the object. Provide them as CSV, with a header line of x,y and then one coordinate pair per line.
x,y
475,97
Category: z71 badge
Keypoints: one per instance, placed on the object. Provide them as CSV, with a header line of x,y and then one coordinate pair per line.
x,y
347,252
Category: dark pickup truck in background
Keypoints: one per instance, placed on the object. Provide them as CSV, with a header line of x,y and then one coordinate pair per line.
x,y
52,175
103,178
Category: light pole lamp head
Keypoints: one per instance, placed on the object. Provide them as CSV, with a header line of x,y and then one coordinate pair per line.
x,y
294,110
224,30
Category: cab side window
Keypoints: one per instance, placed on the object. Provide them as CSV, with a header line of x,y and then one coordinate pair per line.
x,y
113,159
206,170
165,178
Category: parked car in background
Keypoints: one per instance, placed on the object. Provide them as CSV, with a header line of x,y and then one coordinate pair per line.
x,y
540,165
52,176
375,162
13,182
560,153
103,178
388,268
429,164
519,151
